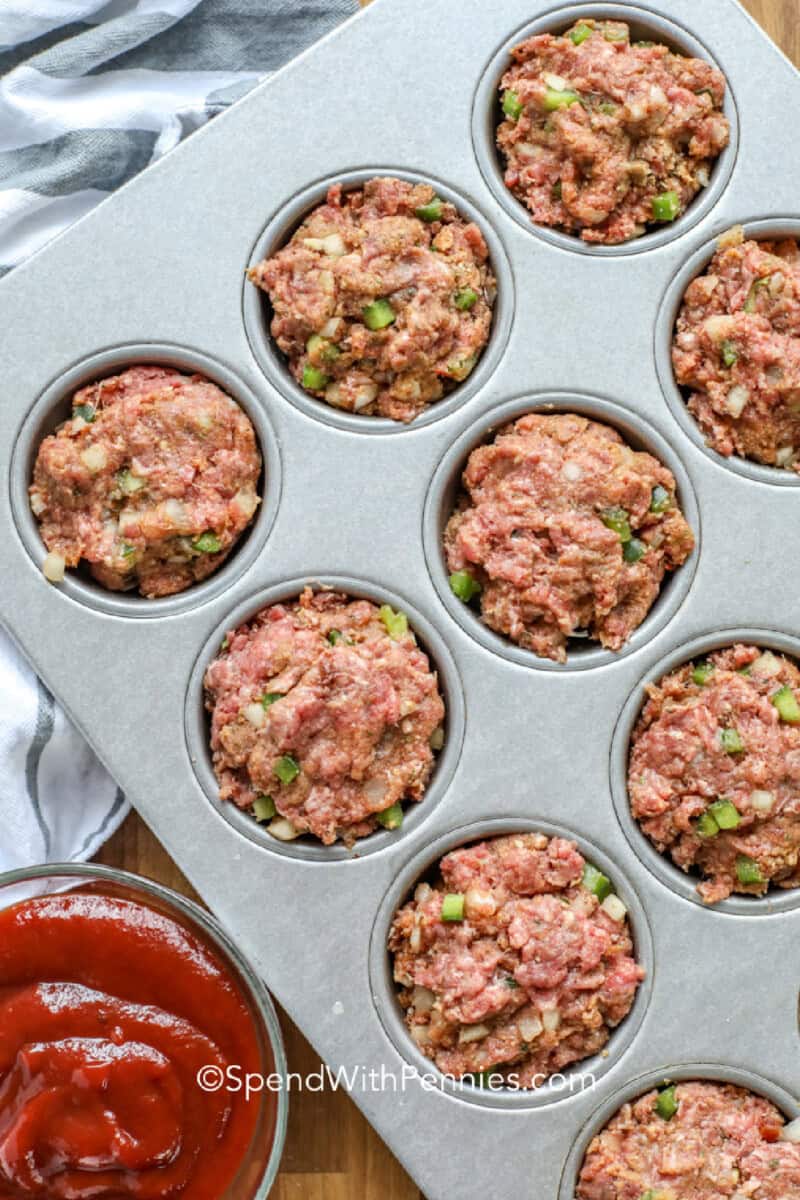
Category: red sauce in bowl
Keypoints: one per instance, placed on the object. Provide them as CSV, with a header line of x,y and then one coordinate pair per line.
x,y
108,1010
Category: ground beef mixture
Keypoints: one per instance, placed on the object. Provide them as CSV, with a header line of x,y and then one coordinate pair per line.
x,y
151,482
737,350
507,964
564,531
693,1141
714,771
382,300
325,716
603,137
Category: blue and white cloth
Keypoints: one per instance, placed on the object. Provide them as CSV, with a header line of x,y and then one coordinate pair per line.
x,y
91,92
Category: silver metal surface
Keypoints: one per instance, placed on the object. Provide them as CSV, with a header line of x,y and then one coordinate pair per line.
x,y
161,264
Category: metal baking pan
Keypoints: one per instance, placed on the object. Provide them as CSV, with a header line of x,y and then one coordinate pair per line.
x,y
158,272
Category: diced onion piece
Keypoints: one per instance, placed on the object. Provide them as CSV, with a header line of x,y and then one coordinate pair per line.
x,y
127,520
478,903
422,999
246,501
776,282
375,791
702,176
53,567
94,458
572,471
551,1019
420,1034
174,512
530,1028
784,456
737,399
766,664
333,244
364,395
472,1033
719,327
331,327
762,801
556,82
791,1132
614,908
333,394
436,740
38,503
326,282
423,892
415,940
255,714
283,830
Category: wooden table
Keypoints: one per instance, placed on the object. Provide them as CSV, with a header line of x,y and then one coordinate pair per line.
x,y
331,1152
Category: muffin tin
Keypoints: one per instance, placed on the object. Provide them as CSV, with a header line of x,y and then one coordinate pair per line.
x,y
157,272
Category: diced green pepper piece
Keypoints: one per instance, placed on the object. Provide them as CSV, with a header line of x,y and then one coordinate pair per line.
x,y
460,368
322,347
512,105
464,585
666,207
207,543
314,378
615,33
580,33
395,623
453,907
729,353
391,818
378,315
786,703
660,499
608,107
666,1104
725,813
702,672
705,826
264,808
617,518
557,190
432,211
731,741
86,411
748,870
633,550
465,299
555,99
130,483
128,550
269,698
756,286
511,982
596,882
286,769
334,636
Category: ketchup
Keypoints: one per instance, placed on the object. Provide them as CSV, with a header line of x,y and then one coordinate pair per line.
x,y
108,1010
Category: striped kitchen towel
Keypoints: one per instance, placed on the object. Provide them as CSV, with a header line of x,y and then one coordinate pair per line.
x,y
92,91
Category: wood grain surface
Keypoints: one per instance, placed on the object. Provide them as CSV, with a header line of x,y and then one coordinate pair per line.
x,y
331,1151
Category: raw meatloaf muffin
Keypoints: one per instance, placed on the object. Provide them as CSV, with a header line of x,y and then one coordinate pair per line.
x,y
714,770
325,715
602,137
382,300
151,481
564,530
737,350
693,1141
517,960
